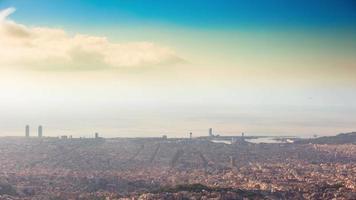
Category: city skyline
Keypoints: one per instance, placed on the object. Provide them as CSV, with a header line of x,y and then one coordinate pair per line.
x,y
177,99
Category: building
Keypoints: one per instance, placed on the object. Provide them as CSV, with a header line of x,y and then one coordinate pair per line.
x,y
242,137
27,131
190,135
96,135
211,132
40,130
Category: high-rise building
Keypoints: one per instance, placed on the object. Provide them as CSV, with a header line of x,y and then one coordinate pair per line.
x,y
96,135
210,132
27,131
190,135
40,131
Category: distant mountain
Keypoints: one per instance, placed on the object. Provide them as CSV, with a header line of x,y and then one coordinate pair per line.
x,y
342,138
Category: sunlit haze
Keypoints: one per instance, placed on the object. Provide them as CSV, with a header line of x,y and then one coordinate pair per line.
x,y
138,68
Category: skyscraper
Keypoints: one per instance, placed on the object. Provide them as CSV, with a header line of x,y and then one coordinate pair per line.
x,y
40,131
190,135
210,132
27,131
96,135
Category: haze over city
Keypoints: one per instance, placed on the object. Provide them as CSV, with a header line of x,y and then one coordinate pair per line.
x,y
132,68
177,100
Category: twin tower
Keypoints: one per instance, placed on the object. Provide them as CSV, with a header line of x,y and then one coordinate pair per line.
x,y
40,130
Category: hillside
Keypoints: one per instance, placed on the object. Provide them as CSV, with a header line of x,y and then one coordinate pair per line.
x,y
342,138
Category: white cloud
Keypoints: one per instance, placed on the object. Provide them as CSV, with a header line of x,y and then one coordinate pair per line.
x,y
5,13
49,48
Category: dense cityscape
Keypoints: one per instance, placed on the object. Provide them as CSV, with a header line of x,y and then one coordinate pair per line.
x,y
178,100
172,168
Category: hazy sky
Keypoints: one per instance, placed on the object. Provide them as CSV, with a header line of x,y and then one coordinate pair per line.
x,y
148,68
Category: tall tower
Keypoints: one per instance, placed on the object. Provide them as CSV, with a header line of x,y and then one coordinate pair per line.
x,y
210,132
96,135
27,130
190,135
40,131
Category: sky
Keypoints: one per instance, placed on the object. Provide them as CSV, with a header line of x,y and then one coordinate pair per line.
x,y
137,68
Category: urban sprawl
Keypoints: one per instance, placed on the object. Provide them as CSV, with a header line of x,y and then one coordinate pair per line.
x,y
171,168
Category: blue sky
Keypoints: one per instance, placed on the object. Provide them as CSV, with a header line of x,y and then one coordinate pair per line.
x,y
196,13
149,67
